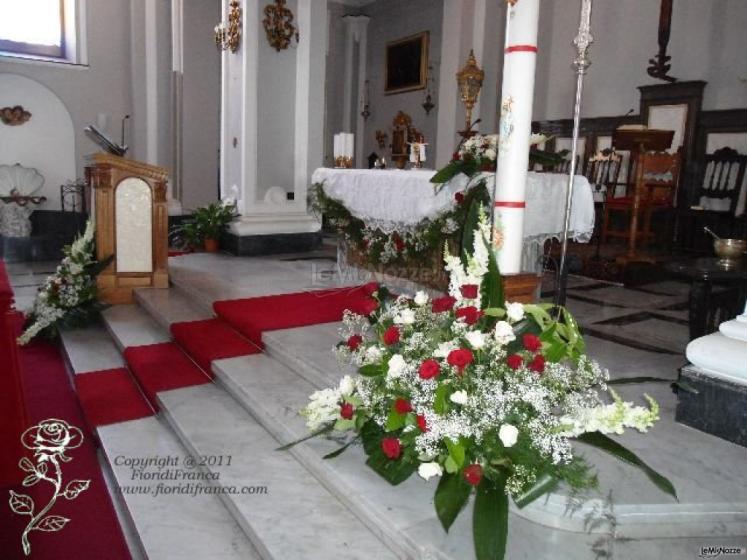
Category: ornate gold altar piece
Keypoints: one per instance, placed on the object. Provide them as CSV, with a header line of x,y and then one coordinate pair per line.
x,y
131,224
469,80
279,25
229,37
343,162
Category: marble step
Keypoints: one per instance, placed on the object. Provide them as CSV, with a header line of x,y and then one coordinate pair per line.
x,y
168,525
130,325
90,348
170,306
286,512
712,497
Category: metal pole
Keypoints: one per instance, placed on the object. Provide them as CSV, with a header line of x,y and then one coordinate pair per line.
x,y
581,64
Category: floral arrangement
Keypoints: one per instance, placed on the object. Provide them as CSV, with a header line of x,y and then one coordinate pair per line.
x,y
68,297
485,394
480,153
420,245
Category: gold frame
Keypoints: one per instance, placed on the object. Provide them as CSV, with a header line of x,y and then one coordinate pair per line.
x,y
424,38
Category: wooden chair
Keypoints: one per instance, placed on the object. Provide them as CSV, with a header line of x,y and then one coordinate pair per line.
x,y
661,173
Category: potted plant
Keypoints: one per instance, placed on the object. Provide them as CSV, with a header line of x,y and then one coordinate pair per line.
x,y
206,225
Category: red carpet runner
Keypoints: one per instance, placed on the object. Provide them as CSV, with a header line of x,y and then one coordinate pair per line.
x,y
252,316
211,339
110,396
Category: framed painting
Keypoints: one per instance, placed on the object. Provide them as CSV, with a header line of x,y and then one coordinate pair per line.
x,y
407,64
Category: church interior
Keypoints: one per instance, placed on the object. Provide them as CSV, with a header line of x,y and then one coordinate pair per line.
x,y
416,279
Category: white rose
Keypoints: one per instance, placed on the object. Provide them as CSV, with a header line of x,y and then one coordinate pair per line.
x,y
429,470
490,153
444,349
504,332
421,298
405,317
514,311
508,435
347,386
459,397
476,339
396,365
373,354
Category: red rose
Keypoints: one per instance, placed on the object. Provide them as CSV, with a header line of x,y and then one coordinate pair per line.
x,y
514,361
429,369
421,423
391,336
364,244
402,406
469,291
398,243
391,447
445,303
346,411
531,342
459,197
355,341
473,474
538,364
460,358
366,306
455,156
371,288
470,314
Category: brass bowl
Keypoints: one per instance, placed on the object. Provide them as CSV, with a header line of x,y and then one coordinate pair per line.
x,y
730,251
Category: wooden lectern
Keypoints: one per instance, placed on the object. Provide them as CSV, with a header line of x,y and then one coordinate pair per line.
x,y
131,224
638,142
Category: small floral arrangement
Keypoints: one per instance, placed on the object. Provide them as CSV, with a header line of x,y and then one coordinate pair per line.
x,y
68,297
485,394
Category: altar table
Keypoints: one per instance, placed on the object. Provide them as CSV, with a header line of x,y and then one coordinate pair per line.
x,y
396,200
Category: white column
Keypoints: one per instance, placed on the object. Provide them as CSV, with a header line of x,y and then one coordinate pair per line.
x,y
448,98
360,128
515,128
356,33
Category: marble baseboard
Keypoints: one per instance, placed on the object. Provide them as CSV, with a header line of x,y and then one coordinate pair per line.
x,y
254,245
719,408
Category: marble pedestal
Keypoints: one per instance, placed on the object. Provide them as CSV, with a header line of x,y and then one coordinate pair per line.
x,y
271,233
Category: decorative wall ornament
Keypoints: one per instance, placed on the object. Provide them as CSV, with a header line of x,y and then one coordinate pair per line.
x,y
14,116
428,104
469,79
659,65
279,25
407,63
366,112
50,440
228,37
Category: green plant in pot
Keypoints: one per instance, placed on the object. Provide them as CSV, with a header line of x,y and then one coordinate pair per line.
x,y
206,225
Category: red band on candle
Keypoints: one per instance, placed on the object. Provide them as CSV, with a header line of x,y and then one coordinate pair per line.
x,y
521,48
509,204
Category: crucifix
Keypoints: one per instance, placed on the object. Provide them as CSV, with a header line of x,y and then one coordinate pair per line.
x,y
659,65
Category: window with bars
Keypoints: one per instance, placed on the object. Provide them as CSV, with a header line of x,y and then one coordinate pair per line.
x,y
33,27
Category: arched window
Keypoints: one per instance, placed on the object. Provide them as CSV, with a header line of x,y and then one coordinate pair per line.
x,y
37,28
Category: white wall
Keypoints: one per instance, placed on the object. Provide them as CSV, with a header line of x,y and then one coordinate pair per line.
x,y
45,142
707,43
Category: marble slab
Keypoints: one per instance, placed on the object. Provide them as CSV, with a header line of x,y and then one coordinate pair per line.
x,y
90,349
173,525
295,517
130,325
169,306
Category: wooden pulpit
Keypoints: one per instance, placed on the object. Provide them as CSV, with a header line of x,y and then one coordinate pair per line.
x,y
638,142
131,225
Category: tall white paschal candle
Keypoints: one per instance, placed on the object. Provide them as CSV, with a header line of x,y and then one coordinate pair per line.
x,y
519,61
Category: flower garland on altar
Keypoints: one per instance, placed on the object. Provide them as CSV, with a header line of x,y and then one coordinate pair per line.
x,y
485,394
421,244
68,297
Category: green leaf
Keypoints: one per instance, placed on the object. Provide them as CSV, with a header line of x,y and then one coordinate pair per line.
x,y
635,380
450,465
371,434
545,483
371,370
340,450
395,421
555,352
446,173
601,441
471,222
440,400
494,312
456,452
451,497
490,519
492,284
394,471
323,430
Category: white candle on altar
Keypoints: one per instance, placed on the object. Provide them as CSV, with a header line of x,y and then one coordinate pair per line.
x,y
336,149
350,145
422,151
517,93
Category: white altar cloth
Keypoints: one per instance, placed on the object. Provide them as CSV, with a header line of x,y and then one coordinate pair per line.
x,y
393,200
